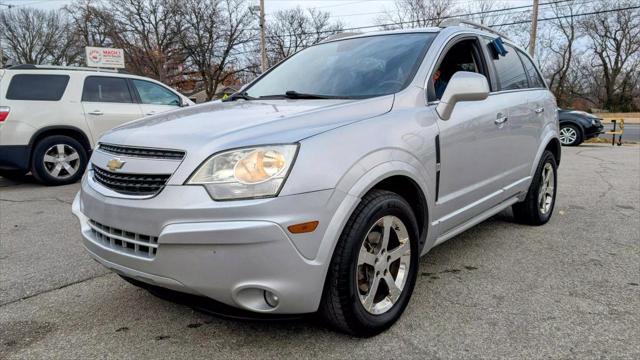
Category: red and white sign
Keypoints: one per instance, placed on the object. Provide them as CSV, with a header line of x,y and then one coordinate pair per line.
x,y
104,57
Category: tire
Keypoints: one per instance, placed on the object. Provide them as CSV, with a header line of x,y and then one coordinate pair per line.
x,y
531,210
342,305
61,155
570,135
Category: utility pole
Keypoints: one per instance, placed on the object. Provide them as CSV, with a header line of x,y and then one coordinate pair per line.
x,y
534,28
263,46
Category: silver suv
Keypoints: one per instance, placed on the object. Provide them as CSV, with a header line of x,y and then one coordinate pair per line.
x,y
318,186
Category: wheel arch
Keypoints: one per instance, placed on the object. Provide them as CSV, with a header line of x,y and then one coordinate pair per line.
x,y
409,190
556,149
70,131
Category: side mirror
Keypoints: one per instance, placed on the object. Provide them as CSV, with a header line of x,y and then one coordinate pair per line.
x,y
463,86
183,103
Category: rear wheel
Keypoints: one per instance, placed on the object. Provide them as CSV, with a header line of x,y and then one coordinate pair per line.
x,y
374,266
58,160
570,135
537,207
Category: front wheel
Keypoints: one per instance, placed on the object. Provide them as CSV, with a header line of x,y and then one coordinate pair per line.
x,y
374,266
570,135
537,207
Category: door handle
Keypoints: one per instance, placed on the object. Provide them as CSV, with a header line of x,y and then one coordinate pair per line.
x,y
500,120
539,110
96,112
150,113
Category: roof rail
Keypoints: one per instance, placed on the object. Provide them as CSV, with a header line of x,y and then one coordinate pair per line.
x,y
340,36
57,67
459,22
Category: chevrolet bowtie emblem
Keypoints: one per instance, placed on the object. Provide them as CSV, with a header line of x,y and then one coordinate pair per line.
x,y
115,164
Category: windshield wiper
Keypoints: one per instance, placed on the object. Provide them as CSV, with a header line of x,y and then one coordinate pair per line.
x,y
240,95
292,94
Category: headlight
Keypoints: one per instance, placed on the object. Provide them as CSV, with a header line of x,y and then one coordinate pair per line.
x,y
246,173
594,122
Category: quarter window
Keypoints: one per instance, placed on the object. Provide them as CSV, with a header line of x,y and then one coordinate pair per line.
x,y
37,87
535,81
155,94
511,74
106,89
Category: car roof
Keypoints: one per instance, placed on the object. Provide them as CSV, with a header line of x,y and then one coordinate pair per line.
x,y
52,69
448,30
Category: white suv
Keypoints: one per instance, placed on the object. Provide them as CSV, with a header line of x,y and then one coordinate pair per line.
x,y
51,117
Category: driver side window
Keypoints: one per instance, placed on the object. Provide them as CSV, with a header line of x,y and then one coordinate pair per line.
x,y
463,56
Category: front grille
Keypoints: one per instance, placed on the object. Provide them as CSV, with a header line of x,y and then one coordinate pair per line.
x,y
142,152
124,241
130,184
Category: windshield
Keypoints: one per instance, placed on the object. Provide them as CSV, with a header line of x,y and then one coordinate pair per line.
x,y
351,68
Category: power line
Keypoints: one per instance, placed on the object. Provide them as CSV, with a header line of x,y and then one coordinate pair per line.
x,y
423,20
569,16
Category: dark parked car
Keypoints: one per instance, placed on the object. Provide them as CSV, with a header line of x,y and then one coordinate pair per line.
x,y
578,126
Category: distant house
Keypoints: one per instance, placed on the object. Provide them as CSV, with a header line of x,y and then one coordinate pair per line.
x,y
221,91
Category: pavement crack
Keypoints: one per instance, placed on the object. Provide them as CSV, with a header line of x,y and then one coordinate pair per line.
x,y
36,200
54,289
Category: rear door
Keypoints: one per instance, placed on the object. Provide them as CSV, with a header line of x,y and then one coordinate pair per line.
x,y
155,98
107,102
521,125
542,106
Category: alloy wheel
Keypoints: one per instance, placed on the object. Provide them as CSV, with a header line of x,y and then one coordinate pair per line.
x,y
568,135
61,161
383,265
547,184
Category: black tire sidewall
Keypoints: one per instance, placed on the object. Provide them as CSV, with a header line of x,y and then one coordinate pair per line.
x,y
370,323
37,165
578,139
547,158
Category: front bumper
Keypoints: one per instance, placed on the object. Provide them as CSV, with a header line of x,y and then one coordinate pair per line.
x,y
593,131
229,251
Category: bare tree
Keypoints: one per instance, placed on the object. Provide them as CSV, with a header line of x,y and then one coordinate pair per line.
x,y
211,32
289,31
615,43
146,30
416,13
33,36
559,46
91,24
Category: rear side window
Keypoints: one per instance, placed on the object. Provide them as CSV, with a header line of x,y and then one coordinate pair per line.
x,y
37,87
106,89
155,94
511,74
535,81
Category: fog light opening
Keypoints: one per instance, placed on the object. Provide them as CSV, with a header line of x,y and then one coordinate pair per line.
x,y
271,299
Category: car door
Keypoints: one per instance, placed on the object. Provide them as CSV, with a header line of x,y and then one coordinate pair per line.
x,y
473,148
107,102
542,109
155,98
522,123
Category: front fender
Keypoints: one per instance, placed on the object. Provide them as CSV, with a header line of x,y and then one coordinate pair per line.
x,y
353,193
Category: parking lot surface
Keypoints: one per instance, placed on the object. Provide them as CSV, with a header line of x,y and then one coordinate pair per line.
x,y
568,289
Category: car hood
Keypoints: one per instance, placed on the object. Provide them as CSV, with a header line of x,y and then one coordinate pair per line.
x,y
223,125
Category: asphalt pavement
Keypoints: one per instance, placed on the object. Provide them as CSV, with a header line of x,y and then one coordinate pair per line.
x,y
568,289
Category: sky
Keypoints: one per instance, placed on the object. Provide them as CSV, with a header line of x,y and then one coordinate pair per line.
x,y
350,12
